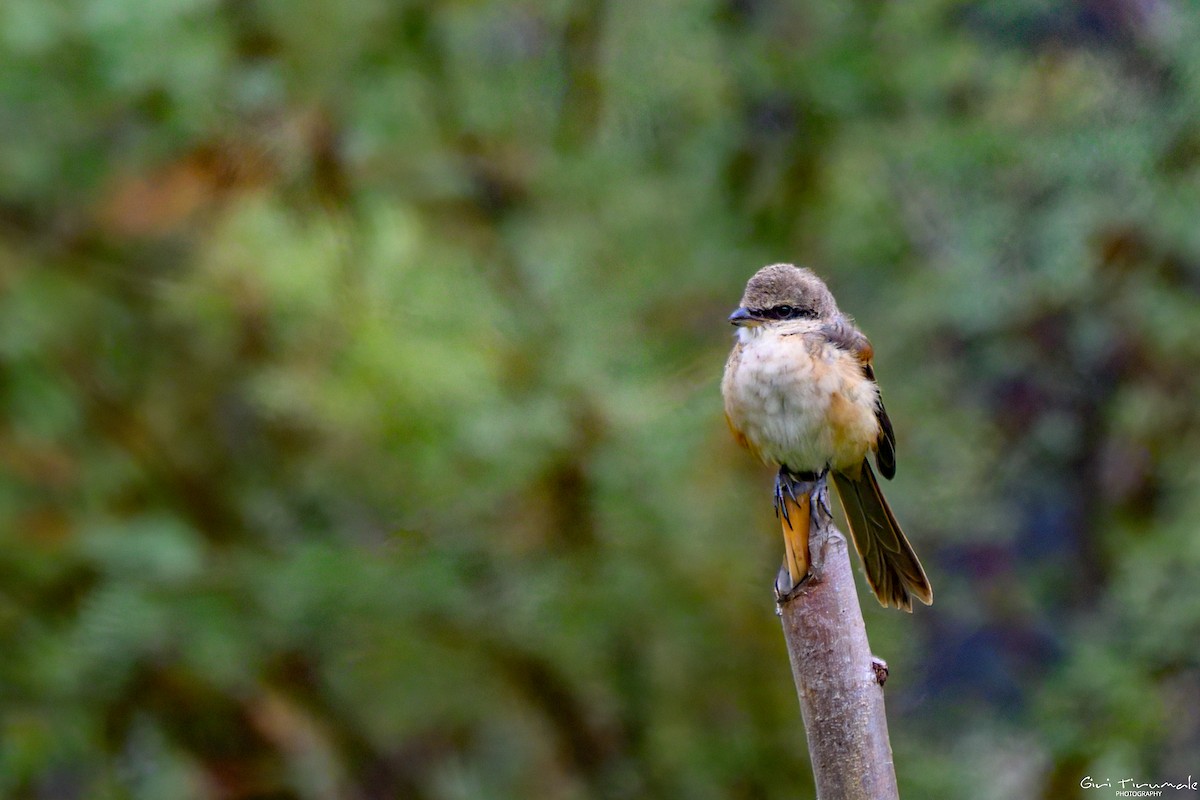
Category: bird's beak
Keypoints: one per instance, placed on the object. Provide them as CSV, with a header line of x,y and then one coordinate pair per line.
x,y
743,318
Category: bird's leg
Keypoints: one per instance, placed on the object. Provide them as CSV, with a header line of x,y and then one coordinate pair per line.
x,y
822,519
822,494
793,505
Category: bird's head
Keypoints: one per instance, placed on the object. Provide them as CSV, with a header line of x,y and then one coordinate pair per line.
x,y
784,292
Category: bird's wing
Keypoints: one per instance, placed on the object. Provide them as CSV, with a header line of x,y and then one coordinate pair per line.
x,y
842,334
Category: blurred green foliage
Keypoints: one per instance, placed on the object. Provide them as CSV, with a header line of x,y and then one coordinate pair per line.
x,y
359,421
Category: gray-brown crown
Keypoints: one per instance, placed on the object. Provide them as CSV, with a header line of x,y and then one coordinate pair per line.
x,y
789,285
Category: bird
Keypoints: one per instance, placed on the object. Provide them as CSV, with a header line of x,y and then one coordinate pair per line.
x,y
800,393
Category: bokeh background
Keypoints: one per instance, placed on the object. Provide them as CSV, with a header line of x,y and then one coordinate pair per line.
x,y
360,433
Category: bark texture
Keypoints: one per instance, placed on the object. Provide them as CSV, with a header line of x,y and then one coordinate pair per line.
x,y
840,684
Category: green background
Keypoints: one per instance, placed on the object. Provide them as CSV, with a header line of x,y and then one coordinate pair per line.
x,y
360,432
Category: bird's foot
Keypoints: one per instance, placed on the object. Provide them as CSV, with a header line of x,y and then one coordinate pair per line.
x,y
821,494
794,485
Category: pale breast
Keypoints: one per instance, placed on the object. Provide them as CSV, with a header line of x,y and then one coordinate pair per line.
x,y
799,400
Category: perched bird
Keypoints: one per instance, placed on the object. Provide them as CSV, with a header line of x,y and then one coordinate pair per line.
x,y
800,393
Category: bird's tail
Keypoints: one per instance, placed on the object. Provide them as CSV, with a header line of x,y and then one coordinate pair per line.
x,y
892,568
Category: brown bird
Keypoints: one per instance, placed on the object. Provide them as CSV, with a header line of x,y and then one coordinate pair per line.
x,y
800,393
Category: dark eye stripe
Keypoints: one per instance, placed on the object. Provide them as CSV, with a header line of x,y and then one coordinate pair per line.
x,y
784,312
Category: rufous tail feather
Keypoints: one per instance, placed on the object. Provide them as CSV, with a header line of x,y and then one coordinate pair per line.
x,y
794,517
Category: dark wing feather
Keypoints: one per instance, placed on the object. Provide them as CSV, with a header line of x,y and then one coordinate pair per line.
x,y
885,445
842,334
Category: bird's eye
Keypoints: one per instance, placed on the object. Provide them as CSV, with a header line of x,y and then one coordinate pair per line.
x,y
784,311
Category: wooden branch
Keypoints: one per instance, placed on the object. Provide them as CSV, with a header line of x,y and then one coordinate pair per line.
x,y
840,684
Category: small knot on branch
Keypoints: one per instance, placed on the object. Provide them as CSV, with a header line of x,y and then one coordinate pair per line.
x,y
881,670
